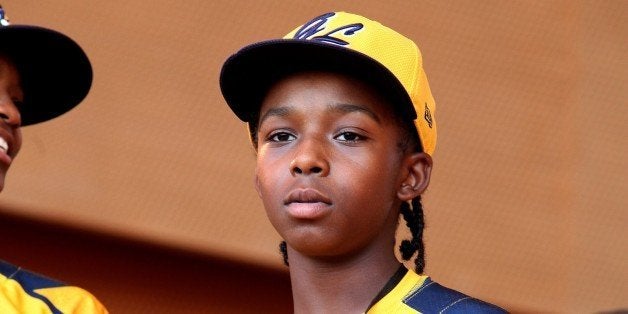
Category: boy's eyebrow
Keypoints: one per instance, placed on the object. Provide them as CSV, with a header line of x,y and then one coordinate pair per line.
x,y
276,112
348,108
339,107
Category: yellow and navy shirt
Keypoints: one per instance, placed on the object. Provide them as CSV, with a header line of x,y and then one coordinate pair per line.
x,y
407,292
25,292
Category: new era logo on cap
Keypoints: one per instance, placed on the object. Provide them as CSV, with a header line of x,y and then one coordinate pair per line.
x,y
428,116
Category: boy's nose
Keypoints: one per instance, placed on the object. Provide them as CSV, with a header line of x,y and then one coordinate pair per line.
x,y
310,159
9,113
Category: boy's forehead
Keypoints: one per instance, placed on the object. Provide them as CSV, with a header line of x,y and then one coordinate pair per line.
x,y
325,84
340,93
7,67
4,61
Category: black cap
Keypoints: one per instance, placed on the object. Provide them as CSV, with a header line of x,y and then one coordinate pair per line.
x,y
55,73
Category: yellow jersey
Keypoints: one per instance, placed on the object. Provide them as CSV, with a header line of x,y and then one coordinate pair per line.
x,y
22,291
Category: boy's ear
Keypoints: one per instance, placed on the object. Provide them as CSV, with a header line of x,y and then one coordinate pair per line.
x,y
417,169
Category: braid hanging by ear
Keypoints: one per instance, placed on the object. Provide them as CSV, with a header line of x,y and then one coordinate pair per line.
x,y
414,220
283,248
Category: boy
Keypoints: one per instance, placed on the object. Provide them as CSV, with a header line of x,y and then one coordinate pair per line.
x,y
43,74
341,116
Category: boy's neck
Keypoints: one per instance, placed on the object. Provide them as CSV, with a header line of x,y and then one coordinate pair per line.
x,y
347,286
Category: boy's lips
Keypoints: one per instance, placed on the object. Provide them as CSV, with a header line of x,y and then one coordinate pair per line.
x,y
6,141
307,203
306,195
4,146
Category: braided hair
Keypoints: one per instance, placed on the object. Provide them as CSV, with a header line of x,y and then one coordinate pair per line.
x,y
413,215
283,249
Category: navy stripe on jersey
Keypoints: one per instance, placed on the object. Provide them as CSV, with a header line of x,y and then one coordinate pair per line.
x,y
30,282
434,298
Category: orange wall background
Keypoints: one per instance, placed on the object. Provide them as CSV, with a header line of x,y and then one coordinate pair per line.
x,y
526,207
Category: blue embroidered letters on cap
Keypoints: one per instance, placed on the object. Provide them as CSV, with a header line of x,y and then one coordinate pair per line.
x,y
317,25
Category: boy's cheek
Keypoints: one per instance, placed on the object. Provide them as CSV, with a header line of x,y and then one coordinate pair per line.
x,y
257,184
17,142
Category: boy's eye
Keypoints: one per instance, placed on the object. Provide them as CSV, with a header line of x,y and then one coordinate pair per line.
x,y
349,137
281,137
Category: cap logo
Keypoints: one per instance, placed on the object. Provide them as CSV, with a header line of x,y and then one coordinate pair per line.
x,y
4,21
317,25
428,116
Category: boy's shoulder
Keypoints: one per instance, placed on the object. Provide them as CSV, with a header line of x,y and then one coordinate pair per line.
x,y
420,294
23,291
432,297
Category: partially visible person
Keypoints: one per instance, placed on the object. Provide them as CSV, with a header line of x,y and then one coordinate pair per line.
x,y
43,74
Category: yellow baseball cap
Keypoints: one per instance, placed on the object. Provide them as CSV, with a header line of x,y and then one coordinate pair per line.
x,y
338,42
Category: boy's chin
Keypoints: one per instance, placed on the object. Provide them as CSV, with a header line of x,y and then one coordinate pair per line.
x,y
319,251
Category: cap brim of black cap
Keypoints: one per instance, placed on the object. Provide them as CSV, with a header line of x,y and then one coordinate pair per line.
x,y
248,74
56,74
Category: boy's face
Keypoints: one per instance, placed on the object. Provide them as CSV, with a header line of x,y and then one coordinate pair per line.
x,y
10,136
329,165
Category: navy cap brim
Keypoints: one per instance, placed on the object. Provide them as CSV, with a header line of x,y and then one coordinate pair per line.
x,y
55,71
247,75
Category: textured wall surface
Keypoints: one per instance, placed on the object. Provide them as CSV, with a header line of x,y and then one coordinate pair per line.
x,y
526,207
